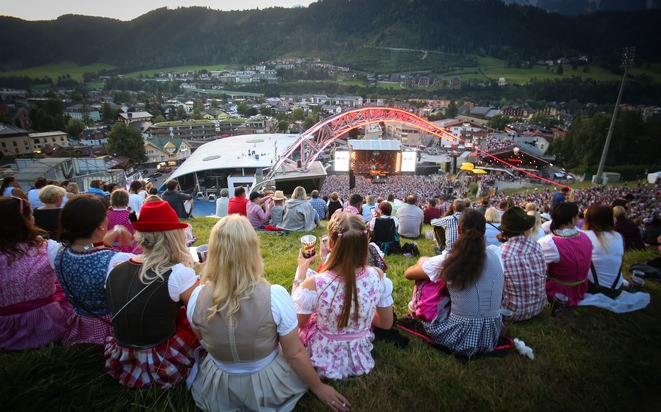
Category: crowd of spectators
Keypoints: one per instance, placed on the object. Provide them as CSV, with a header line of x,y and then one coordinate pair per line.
x,y
87,279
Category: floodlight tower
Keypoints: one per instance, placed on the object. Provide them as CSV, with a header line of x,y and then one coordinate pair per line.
x,y
627,60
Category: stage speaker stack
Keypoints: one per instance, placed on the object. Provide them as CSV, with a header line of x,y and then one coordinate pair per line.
x,y
352,180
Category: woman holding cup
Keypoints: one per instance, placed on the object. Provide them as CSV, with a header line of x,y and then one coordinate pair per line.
x,y
337,307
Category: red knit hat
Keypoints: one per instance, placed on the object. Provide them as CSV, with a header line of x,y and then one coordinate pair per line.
x,y
157,217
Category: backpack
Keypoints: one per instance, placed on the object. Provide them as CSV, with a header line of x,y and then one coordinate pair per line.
x,y
431,300
410,249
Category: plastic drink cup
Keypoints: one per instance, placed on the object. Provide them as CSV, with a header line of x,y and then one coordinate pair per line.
x,y
324,241
559,303
506,315
636,284
202,251
309,243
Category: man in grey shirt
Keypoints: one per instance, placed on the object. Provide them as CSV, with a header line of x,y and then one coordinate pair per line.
x,y
410,218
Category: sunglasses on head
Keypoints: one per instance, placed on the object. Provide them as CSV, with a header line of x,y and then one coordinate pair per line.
x,y
20,204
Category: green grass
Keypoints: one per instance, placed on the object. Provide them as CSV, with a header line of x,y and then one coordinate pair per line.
x,y
587,359
58,69
178,69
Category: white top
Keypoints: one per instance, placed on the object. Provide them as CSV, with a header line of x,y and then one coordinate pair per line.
x,y
551,254
384,217
282,309
305,300
546,227
608,261
180,280
432,266
33,198
136,201
490,234
119,257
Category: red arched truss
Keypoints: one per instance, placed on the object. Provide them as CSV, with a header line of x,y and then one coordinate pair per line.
x,y
313,141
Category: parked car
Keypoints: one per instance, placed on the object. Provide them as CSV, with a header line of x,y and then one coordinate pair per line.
x,y
157,174
166,169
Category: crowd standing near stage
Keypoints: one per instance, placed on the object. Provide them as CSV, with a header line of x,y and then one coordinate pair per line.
x,y
123,279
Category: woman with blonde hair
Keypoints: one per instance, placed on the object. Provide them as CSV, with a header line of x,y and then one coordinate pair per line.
x,y
255,360
625,227
536,232
493,218
298,214
47,215
337,307
153,343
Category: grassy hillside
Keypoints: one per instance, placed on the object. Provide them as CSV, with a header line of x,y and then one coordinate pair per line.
x,y
486,69
586,359
54,70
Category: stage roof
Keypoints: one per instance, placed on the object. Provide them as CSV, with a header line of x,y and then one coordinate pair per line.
x,y
232,153
375,144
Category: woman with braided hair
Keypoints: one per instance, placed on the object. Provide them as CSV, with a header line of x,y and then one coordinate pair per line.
x,y
82,262
474,276
337,307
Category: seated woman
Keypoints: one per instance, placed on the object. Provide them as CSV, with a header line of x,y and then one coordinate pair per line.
x,y
605,274
493,222
120,215
153,343
629,231
82,263
337,307
474,277
33,309
255,360
298,214
46,216
384,229
524,265
567,252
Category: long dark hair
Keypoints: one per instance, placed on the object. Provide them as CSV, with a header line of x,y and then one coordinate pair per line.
x,y
562,214
17,228
80,217
464,263
350,241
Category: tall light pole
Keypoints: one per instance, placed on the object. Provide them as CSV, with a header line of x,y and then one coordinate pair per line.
x,y
627,60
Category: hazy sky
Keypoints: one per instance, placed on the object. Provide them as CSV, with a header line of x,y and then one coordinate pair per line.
x,y
125,9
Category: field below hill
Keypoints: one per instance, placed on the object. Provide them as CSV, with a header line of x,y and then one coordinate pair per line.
x,y
585,359
486,69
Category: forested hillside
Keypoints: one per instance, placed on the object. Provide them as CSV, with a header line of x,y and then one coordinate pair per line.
x,y
339,31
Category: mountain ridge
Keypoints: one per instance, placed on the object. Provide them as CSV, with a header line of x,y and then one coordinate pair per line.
x,y
333,30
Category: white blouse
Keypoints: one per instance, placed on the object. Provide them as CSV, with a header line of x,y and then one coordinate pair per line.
x,y
306,300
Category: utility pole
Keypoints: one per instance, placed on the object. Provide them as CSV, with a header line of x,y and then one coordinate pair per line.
x,y
627,60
